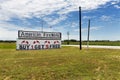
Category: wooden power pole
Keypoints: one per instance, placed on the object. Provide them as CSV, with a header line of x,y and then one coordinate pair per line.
x,y
80,33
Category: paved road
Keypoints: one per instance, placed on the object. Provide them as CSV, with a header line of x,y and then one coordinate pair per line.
x,y
96,46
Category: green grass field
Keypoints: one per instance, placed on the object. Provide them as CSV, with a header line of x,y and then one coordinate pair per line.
x,y
67,63
103,43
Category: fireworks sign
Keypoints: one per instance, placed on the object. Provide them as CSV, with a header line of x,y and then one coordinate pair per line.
x,y
36,40
39,35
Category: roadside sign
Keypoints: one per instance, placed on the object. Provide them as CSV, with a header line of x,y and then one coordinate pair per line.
x,y
36,40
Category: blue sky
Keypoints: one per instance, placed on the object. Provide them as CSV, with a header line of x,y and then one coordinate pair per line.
x,y
61,16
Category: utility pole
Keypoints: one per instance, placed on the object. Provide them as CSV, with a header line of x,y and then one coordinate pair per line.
x,y
68,37
88,34
80,33
42,26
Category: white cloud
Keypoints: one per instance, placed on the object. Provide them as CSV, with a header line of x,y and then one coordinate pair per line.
x,y
23,9
115,2
117,6
9,31
105,18
39,8
7,35
86,29
86,17
53,21
65,37
73,25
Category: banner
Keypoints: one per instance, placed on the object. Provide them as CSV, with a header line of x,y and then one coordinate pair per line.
x,y
39,35
37,40
38,44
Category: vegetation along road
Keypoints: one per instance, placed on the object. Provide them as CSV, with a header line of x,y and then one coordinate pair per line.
x,y
96,46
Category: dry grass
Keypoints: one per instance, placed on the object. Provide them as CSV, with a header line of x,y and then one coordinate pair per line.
x,y
67,63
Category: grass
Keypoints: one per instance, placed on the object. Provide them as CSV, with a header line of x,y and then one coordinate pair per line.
x,y
104,43
67,63
7,45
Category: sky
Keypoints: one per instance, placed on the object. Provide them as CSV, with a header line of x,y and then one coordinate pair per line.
x,y
61,16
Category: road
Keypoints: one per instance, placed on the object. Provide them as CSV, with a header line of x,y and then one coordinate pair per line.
x,y
96,46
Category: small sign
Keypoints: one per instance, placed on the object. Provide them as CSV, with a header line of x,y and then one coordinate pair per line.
x,y
38,44
36,40
39,35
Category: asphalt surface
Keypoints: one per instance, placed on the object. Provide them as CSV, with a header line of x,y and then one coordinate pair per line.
x,y
96,46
